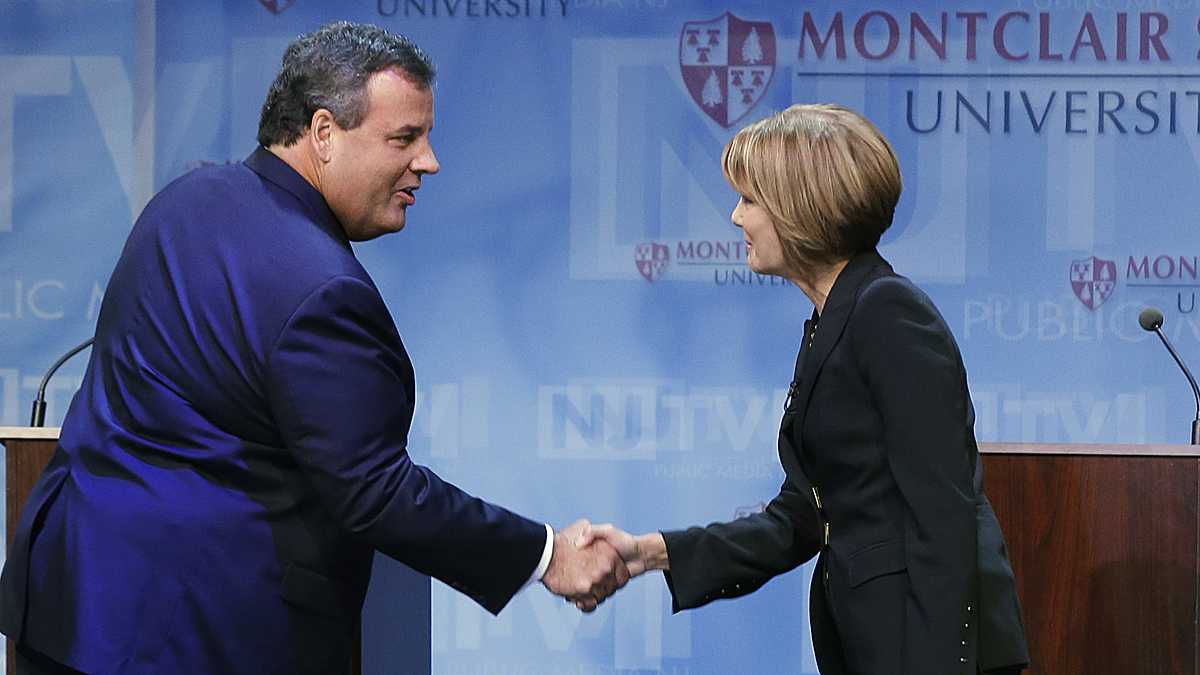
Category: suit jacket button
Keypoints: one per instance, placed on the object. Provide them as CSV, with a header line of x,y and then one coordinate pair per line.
x,y
968,608
962,659
966,625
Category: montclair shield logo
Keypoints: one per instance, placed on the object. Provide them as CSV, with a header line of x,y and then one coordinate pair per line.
x,y
652,258
277,6
727,64
1093,280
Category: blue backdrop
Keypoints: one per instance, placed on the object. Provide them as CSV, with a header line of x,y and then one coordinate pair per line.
x,y
587,337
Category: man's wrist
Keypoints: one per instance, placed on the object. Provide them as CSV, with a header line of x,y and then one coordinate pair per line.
x,y
543,565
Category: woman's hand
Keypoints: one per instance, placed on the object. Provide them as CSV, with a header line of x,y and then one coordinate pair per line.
x,y
641,554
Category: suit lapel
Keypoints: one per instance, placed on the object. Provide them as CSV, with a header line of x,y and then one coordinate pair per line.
x,y
828,332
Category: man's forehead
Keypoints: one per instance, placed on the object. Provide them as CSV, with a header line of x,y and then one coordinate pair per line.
x,y
394,83
395,99
397,76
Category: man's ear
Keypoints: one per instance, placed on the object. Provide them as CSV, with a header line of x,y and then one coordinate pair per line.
x,y
320,133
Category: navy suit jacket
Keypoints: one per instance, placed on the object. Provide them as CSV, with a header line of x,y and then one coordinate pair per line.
x,y
913,576
236,453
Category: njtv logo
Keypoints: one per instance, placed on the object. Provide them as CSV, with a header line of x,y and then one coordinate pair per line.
x,y
635,419
636,622
452,417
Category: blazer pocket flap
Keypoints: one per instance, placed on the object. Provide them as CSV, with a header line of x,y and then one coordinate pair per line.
x,y
876,560
309,590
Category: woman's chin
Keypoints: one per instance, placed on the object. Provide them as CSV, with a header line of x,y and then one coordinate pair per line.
x,y
758,268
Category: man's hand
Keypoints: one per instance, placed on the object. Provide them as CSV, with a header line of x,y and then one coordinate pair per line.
x,y
585,574
642,553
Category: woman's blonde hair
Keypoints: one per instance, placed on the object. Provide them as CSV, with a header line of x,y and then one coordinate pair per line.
x,y
826,176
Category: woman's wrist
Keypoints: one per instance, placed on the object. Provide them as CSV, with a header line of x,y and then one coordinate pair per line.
x,y
652,549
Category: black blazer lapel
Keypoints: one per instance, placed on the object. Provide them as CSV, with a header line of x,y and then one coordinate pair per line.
x,y
789,455
827,333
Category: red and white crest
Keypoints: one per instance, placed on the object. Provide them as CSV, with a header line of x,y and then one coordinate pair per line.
x,y
277,6
651,258
1093,280
727,64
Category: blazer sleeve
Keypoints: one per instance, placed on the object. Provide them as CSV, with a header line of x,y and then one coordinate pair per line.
x,y
912,367
341,390
727,560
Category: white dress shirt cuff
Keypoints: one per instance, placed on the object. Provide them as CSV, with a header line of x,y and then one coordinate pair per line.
x,y
544,563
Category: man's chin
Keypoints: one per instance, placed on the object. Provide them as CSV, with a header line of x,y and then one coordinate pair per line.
x,y
375,231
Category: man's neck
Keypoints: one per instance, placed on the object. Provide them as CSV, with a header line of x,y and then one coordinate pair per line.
x,y
302,161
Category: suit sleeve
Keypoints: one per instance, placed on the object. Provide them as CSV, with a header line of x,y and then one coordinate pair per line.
x,y
727,560
341,391
918,386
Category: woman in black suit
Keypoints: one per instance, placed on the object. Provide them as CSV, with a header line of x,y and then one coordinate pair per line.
x,y
883,479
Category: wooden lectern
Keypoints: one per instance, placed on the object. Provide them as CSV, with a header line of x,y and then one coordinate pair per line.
x,y
28,452
1103,542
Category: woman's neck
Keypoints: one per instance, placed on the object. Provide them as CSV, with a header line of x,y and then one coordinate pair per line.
x,y
818,286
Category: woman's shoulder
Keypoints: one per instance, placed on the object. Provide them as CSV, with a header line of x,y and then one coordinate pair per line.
x,y
892,292
892,309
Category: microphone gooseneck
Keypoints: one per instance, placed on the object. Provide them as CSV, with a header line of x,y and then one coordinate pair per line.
x,y
1151,319
38,418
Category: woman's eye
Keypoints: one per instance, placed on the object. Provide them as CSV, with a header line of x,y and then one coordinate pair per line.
x,y
747,200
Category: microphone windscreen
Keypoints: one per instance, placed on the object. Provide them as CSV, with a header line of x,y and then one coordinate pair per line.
x,y
1151,318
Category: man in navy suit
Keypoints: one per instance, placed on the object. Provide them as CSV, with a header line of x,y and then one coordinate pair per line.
x,y
236,454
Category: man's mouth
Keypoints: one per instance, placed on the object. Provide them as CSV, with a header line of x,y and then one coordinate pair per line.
x,y
408,194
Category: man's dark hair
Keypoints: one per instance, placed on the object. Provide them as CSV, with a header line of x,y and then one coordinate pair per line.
x,y
329,69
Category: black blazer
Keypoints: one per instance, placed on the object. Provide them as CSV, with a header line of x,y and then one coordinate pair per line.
x,y
884,481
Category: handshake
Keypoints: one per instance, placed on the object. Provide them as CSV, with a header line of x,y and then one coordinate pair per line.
x,y
591,562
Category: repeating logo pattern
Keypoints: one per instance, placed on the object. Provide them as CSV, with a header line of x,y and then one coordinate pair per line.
x,y
652,259
1093,280
277,6
727,64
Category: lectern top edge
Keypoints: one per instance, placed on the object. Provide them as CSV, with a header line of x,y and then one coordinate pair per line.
x,y
1096,449
28,433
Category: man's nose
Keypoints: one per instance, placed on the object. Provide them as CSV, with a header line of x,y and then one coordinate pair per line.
x,y
426,162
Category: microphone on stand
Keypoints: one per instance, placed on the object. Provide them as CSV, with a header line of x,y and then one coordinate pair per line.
x,y
39,404
1151,319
